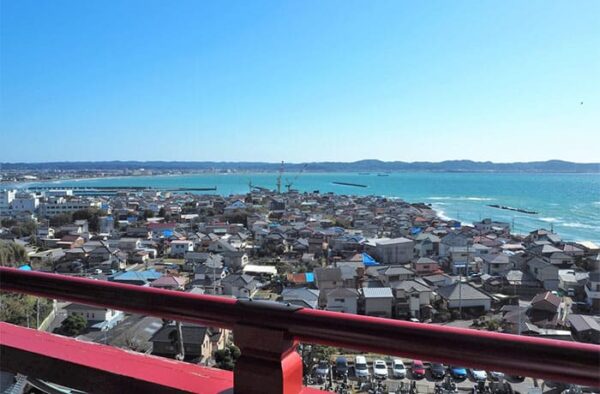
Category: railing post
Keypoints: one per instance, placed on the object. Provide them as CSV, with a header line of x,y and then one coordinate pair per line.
x,y
268,363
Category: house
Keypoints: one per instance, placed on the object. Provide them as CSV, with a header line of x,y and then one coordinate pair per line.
x,y
327,279
466,297
450,240
425,266
572,282
302,296
544,310
97,318
232,256
377,301
129,244
180,247
393,250
411,297
198,344
496,264
438,280
488,225
585,328
342,300
592,291
70,241
239,285
427,244
169,282
544,272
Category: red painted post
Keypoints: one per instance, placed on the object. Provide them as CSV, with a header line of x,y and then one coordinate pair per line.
x,y
269,362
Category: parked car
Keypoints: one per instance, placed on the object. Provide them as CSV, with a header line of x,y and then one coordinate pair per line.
x,y
458,373
417,370
322,369
515,378
437,370
361,369
398,369
478,375
341,366
496,375
380,369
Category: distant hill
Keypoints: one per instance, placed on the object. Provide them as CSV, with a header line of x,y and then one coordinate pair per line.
x,y
357,166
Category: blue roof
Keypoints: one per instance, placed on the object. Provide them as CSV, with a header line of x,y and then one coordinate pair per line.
x,y
368,260
25,267
415,230
310,277
167,233
147,275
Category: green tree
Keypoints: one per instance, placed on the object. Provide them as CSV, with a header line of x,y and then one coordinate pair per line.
x,y
147,214
73,325
61,219
226,358
23,310
161,212
12,254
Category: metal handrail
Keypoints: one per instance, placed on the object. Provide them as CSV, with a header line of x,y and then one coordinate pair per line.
x,y
554,360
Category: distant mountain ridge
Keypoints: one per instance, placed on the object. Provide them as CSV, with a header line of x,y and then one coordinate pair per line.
x,y
357,166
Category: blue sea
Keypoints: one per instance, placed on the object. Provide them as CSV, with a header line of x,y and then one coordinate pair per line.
x,y
568,202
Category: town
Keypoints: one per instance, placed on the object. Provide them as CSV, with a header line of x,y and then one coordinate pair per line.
x,y
365,255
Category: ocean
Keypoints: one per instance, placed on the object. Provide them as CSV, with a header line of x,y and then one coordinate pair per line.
x,y
568,202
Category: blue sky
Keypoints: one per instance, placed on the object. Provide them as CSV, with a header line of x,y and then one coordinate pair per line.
x,y
299,80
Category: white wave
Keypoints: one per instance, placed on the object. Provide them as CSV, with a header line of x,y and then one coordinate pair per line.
x,y
441,213
477,198
461,198
578,225
549,220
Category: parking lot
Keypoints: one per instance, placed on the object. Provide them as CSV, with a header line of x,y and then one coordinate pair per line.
x,y
425,384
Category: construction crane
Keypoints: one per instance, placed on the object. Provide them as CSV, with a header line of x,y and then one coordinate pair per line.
x,y
279,178
289,183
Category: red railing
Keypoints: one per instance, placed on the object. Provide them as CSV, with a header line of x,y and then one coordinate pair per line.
x,y
267,333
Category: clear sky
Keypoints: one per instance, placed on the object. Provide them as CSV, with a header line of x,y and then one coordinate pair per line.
x,y
304,80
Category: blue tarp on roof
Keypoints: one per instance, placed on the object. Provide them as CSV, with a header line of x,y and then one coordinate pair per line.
x,y
25,267
368,260
167,233
310,277
456,224
415,230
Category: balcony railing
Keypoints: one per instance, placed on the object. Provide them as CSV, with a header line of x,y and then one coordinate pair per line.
x,y
267,334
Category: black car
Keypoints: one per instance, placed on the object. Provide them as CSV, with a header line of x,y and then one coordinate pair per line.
x,y
437,370
341,366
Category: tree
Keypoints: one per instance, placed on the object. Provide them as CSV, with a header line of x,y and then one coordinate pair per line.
x,y
73,325
12,254
61,219
147,214
161,212
226,358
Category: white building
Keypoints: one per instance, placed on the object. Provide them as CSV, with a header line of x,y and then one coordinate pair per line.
x,y
180,248
394,250
59,205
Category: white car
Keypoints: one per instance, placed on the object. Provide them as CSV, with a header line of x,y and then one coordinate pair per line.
x,y
479,375
361,370
398,369
380,369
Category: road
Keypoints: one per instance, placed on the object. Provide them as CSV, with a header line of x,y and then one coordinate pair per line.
x,y
133,331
